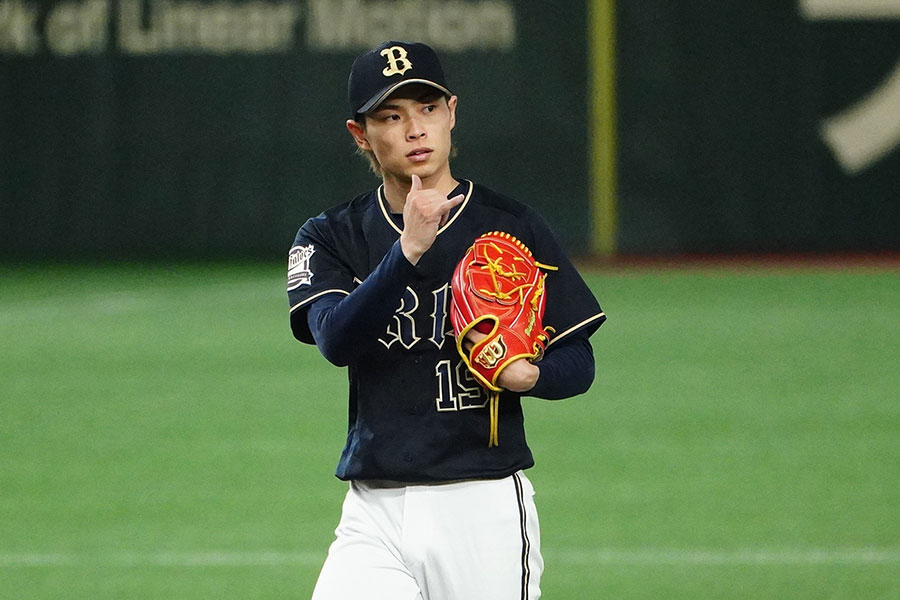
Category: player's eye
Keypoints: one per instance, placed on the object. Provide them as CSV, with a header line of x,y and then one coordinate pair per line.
x,y
430,108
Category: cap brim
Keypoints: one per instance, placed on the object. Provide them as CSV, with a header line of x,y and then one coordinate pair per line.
x,y
378,98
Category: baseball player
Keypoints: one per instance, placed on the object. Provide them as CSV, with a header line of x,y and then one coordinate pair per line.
x,y
433,512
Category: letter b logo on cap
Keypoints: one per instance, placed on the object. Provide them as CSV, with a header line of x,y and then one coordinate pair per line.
x,y
398,64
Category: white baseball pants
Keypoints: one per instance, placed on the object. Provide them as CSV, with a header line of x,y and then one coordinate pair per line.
x,y
468,540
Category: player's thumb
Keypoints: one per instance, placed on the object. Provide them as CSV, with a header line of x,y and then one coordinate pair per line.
x,y
416,183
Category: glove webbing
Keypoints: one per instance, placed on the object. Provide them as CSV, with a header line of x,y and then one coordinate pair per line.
x,y
495,268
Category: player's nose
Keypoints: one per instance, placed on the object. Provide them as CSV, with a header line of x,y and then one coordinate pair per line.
x,y
415,130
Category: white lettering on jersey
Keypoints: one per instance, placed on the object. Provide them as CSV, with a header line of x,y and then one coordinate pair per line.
x,y
457,389
403,327
299,272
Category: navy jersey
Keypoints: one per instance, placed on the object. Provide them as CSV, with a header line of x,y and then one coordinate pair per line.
x,y
415,412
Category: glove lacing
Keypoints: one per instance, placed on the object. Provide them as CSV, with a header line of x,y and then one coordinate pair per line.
x,y
496,269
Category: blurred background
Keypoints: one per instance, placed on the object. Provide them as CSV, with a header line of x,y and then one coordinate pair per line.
x,y
138,128
162,435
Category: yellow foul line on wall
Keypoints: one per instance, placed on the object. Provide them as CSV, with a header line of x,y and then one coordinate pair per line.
x,y
602,98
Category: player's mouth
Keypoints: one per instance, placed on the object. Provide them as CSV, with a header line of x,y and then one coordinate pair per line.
x,y
419,154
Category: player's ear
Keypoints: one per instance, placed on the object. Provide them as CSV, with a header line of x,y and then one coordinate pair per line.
x,y
359,134
451,104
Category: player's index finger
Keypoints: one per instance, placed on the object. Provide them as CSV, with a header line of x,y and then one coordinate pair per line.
x,y
449,204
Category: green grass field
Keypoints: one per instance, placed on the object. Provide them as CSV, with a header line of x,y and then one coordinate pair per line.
x,y
163,436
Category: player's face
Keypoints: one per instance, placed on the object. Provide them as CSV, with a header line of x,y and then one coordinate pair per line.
x,y
410,132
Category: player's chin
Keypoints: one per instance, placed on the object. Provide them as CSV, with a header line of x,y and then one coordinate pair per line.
x,y
419,167
426,168
424,171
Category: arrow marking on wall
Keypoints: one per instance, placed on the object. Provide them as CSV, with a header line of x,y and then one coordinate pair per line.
x,y
870,129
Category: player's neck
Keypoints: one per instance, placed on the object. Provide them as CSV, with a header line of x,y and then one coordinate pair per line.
x,y
396,189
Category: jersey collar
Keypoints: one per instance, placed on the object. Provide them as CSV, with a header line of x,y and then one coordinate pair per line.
x,y
465,184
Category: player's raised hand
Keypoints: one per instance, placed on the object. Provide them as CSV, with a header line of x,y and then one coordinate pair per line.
x,y
424,212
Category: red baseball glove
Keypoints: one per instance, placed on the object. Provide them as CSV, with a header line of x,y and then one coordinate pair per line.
x,y
498,290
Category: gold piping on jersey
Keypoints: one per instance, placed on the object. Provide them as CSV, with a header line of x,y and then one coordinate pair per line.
x,y
382,202
461,207
575,327
320,294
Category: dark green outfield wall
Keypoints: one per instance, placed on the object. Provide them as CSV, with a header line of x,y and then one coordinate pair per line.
x,y
160,141
722,112
203,129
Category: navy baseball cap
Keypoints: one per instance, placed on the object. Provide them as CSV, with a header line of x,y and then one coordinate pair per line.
x,y
377,73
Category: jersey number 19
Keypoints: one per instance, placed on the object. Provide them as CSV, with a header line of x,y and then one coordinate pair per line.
x,y
456,388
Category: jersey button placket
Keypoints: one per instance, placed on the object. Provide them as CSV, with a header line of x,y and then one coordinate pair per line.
x,y
413,409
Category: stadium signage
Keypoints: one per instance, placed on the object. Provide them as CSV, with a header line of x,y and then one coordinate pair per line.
x,y
222,27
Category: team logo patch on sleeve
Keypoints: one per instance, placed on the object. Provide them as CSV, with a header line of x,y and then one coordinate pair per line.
x,y
299,272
